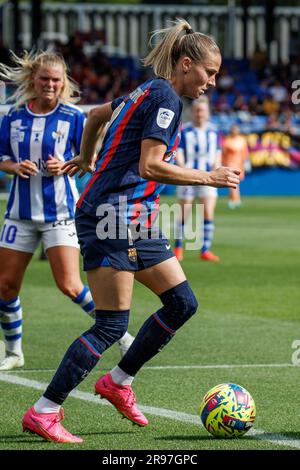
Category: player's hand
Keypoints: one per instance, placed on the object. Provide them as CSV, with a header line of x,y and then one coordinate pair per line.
x,y
54,166
224,177
77,164
25,169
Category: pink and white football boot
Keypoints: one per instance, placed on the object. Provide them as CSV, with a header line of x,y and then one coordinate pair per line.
x,y
47,425
122,397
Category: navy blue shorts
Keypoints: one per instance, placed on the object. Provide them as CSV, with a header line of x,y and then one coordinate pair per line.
x,y
127,254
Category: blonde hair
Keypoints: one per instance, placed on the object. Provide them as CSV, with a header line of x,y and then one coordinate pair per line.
x,y
164,56
201,99
22,72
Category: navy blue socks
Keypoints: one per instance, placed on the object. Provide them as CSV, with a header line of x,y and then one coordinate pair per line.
x,y
85,352
179,305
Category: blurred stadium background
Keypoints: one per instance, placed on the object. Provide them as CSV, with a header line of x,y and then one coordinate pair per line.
x,y
260,42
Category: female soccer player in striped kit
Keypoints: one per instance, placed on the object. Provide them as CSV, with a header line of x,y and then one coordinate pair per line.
x,y
199,148
132,167
39,133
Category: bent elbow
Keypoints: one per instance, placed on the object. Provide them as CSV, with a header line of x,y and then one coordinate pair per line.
x,y
145,172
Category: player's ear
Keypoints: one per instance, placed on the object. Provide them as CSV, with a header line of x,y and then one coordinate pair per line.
x,y
186,64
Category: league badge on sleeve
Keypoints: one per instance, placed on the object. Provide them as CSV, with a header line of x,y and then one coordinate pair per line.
x,y
164,117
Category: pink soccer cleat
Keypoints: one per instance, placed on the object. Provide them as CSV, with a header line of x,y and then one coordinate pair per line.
x,y
122,397
47,425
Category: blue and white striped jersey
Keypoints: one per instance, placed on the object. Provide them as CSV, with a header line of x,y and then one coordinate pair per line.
x,y
200,146
28,136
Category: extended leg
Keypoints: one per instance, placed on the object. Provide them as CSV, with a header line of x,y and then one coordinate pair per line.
x,y
13,266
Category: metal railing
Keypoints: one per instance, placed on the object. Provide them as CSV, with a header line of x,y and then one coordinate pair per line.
x,y
127,27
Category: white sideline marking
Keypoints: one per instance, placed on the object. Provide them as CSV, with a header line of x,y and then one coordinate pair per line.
x,y
273,438
206,366
219,366
2,351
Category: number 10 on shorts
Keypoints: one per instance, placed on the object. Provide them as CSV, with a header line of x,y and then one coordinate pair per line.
x,y
8,234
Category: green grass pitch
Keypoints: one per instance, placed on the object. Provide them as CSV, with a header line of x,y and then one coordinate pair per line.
x,y
247,321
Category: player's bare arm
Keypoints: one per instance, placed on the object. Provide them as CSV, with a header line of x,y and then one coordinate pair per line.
x,y
180,158
24,169
153,167
96,121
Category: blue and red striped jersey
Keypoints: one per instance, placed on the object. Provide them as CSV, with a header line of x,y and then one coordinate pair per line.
x,y
152,111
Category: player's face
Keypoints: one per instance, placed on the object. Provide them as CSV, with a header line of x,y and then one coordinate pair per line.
x,y
200,113
48,83
199,77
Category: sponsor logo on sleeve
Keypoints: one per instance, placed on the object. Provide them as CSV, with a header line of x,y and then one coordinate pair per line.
x,y
164,117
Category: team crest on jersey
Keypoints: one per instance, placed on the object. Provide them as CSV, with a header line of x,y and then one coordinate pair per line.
x,y
58,136
164,117
132,255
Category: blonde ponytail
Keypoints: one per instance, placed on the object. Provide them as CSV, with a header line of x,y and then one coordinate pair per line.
x,y
174,44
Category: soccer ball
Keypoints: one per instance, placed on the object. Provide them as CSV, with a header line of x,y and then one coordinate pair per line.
x,y
227,410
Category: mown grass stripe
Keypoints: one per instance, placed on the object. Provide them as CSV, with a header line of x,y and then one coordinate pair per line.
x,y
273,438
187,367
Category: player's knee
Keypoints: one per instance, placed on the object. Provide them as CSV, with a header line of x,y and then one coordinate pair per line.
x,y
110,329
69,289
192,304
187,304
8,289
180,304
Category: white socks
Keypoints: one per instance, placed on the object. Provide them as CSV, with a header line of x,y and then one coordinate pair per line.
x,y
127,337
120,377
43,405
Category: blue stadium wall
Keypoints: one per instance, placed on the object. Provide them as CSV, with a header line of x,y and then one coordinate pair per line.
x,y
265,181
270,182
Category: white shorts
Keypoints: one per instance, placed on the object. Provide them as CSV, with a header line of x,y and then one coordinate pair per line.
x,y
25,235
192,192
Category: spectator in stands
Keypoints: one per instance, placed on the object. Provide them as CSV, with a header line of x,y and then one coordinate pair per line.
x,y
259,61
221,104
225,81
273,123
255,106
287,124
278,92
240,103
269,105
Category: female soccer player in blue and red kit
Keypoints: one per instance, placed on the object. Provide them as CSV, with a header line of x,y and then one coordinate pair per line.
x,y
122,200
